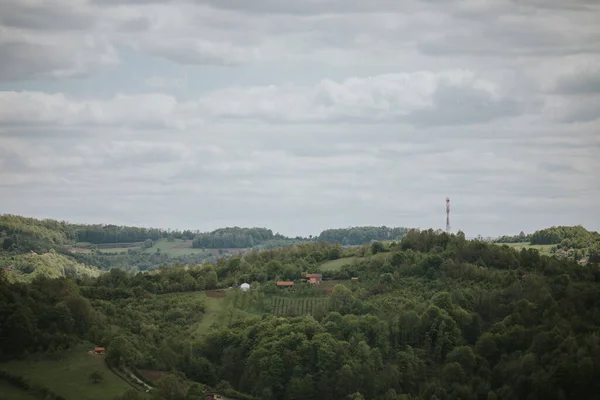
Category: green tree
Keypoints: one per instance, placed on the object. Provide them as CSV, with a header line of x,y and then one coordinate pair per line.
x,y
96,377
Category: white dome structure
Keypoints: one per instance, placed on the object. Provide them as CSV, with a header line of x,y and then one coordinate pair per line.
x,y
245,287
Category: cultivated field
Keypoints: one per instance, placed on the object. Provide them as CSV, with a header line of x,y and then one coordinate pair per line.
x,y
297,306
69,375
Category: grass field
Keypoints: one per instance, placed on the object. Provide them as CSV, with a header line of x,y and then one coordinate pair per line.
x,y
216,310
297,306
69,377
10,392
175,248
542,248
336,265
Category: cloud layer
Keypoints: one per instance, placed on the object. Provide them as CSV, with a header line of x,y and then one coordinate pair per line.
x,y
301,115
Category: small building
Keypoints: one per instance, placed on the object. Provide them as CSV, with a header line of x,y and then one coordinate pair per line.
x,y
283,284
314,279
213,396
99,350
354,278
245,287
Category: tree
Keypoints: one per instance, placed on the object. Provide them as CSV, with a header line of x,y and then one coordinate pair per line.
x,y
377,247
168,389
96,377
148,243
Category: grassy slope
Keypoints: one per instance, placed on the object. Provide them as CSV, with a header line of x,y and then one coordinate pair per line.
x,y
70,377
171,248
542,248
216,310
336,265
10,392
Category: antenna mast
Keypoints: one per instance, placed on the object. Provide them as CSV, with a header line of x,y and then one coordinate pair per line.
x,y
447,214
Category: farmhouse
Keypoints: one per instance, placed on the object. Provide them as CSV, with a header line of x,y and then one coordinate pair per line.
x,y
314,279
354,278
283,284
213,396
99,350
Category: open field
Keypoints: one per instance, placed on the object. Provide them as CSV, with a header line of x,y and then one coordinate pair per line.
x,y
542,248
10,392
298,306
69,375
175,248
216,306
336,265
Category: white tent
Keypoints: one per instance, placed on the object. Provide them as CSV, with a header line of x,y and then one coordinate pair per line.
x,y
245,287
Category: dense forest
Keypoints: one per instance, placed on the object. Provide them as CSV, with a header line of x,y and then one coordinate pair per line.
x,y
431,316
362,234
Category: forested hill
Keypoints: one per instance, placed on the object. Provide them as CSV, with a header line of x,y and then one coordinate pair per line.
x,y
250,237
570,236
433,316
23,234
362,234
27,234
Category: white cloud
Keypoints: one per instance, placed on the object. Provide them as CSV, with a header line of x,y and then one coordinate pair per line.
x,y
301,115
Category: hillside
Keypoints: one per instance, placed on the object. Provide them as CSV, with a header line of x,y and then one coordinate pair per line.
x,y
27,267
430,316
573,242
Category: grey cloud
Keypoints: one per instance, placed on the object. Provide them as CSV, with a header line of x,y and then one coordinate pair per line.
x,y
464,105
585,82
558,168
24,60
44,16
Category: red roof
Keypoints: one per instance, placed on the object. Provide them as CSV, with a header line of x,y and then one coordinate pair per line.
x,y
313,275
285,283
99,349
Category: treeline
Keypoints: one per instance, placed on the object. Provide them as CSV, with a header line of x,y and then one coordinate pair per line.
x,y
24,234
576,237
362,234
235,237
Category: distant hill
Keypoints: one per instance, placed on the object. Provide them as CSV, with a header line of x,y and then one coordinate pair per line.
x,y
570,241
362,234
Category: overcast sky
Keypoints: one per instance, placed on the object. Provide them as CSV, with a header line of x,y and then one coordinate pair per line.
x,y
302,115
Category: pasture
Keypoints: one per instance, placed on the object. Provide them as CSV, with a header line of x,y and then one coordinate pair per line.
x,y
174,248
68,374
336,265
542,248
10,392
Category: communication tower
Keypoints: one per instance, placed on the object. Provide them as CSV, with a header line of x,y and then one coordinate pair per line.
x,y
447,214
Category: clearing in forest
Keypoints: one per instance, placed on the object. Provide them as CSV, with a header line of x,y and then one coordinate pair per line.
x,y
215,312
542,248
68,374
336,265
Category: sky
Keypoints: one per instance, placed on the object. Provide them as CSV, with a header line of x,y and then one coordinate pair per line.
x,y
302,115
